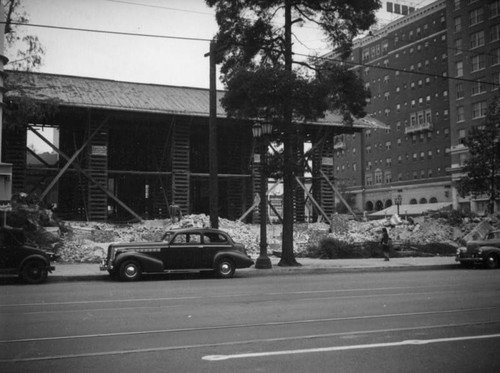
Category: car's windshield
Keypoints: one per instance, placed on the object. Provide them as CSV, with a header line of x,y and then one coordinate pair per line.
x,y
167,236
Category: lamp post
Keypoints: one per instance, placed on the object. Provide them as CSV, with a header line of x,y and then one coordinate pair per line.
x,y
260,131
398,200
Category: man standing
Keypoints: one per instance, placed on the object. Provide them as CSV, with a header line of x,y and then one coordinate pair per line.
x,y
384,242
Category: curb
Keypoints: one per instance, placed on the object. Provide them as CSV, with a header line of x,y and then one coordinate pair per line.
x,y
252,272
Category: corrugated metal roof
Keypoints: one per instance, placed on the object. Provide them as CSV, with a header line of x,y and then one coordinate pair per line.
x,y
126,96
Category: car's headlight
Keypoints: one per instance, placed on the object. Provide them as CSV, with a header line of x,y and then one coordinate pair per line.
x,y
479,251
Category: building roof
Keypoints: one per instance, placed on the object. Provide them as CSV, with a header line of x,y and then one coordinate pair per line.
x,y
95,93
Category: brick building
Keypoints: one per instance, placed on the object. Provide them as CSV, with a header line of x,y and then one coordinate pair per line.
x,y
411,66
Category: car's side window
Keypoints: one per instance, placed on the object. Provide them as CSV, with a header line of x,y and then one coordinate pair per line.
x,y
194,238
188,238
214,238
180,238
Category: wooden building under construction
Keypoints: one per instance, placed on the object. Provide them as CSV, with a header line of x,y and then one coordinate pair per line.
x,y
128,151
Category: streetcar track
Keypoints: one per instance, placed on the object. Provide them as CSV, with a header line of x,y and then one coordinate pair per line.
x,y
252,341
206,298
222,296
252,325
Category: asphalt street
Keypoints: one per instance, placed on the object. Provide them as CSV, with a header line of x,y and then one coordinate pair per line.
x,y
412,321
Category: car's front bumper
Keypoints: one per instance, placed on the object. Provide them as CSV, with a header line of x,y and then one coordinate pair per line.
x,y
476,259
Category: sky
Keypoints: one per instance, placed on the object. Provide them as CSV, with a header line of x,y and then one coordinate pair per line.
x,y
156,60
165,60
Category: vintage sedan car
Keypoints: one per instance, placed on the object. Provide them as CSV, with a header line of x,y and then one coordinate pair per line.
x,y
19,258
180,250
484,252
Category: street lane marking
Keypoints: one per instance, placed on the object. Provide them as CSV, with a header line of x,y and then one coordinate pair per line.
x,y
346,348
222,344
255,325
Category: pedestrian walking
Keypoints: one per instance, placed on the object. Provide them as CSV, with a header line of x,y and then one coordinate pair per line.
x,y
384,242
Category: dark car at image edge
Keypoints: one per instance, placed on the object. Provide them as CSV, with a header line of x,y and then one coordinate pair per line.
x,y
17,257
180,250
485,252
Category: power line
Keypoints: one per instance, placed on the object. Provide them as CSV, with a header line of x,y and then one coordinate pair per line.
x,y
160,7
109,32
356,64
209,40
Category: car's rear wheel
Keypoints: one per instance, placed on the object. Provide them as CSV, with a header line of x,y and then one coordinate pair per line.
x,y
491,261
225,268
34,271
130,270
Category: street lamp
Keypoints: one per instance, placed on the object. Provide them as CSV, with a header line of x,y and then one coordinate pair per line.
x,y
260,131
398,200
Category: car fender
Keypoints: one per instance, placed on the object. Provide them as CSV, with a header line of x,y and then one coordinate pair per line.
x,y
37,257
239,259
148,264
489,249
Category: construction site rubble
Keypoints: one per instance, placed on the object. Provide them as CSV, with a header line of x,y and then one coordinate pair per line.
x,y
87,242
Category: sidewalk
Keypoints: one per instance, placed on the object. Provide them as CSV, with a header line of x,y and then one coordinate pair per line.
x,y
91,272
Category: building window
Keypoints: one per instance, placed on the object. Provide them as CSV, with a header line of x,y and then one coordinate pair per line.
x,y
496,80
460,90
385,46
429,154
461,136
369,180
479,110
495,33
463,158
428,116
366,55
459,68
476,16
478,87
458,24
457,4
478,62
477,39
458,46
388,177
460,114
495,9
421,118
496,56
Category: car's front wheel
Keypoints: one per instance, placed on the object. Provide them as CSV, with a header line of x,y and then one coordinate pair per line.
x,y
225,268
34,271
130,270
491,261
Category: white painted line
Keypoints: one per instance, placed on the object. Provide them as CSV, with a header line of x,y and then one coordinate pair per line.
x,y
346,348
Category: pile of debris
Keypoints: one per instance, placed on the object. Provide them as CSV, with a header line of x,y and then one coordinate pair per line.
x,y
87,242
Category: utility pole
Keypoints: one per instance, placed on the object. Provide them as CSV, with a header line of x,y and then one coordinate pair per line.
x,y
212,142
287,258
